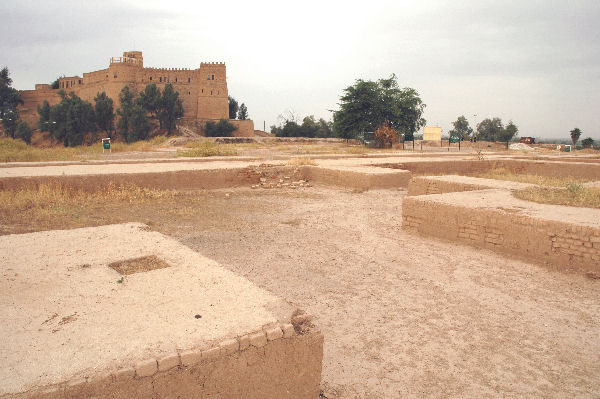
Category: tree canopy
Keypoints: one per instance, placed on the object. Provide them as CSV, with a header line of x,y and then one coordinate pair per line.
x,y
587,143
309,128
171,108
461,128
489,128
367,105
508,133
9,100
575,135
71,119
233,107
133,124
150,100
104,111
492,129
243,112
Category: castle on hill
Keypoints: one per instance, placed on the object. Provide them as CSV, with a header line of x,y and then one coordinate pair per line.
x,y
203,90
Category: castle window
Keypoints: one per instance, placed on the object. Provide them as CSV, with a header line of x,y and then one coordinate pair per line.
x,y
189,92
175,80
160,79
115,76
208,77
150,77
165,79
202,91
213,77
79,81
189,80
211,92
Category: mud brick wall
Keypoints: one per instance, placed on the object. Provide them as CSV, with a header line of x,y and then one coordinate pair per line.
x,y
276,362
559,169
356,178
426,186
461,167
185,179
562,244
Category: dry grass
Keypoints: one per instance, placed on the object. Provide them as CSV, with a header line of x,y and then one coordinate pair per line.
x,y
300,161
572,194
12,150
58,199
546,181
207,149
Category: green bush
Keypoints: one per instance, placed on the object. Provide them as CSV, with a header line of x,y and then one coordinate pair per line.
x,y
221,129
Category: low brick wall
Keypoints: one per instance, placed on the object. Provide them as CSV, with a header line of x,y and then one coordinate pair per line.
x,y
544,168
276,362
184,179
357,177
561,244
428,185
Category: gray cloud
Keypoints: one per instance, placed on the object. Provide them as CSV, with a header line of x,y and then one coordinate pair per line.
x,y
537,62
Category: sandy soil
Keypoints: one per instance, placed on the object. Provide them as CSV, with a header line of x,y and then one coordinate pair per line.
x,y
403,316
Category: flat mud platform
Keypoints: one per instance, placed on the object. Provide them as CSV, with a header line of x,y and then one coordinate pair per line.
x,y
123,312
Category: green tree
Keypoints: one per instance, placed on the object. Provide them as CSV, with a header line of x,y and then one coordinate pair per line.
x,y
171,108
150,99
54,85
24,132
71,120
139,125
221,129
507,134
233,107
367,105
575,134
489,129
104,111
44,113
461,128
243,112
125,111
9,100
587,143
324,129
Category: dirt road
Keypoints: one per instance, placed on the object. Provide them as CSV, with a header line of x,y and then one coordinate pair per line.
x,y
405,316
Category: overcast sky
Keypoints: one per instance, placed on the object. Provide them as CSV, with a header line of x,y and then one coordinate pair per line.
x,y
534,62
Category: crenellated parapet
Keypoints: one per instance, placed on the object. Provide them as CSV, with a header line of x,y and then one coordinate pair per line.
x,y
203,89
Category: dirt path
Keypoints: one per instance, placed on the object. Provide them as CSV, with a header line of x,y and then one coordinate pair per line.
x,y
405,316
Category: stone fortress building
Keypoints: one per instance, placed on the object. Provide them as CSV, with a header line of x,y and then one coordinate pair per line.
x,y
203,90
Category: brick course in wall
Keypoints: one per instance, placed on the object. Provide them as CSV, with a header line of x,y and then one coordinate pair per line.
x,y
276,362
563,244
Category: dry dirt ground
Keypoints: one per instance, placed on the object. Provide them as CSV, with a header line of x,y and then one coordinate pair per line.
x,y
402,315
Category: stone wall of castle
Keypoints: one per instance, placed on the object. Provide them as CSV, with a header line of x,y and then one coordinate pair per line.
x,y
203,90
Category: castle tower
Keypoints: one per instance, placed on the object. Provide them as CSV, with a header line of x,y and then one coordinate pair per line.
x,y
213,100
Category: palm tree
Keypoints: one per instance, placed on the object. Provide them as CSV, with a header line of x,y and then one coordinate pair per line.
x,y
575,134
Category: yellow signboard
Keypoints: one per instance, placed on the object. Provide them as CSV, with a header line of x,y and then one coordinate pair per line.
x,y
432,133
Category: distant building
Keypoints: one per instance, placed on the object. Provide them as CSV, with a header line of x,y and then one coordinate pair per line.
x,y
527,140
432,133
203,90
